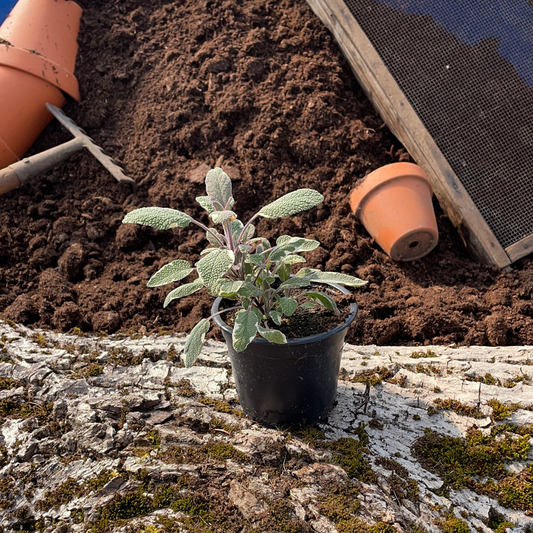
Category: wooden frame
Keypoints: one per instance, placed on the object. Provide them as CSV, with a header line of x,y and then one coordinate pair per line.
x,y
389,100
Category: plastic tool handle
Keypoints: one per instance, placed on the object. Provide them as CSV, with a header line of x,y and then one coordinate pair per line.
x,y
8,180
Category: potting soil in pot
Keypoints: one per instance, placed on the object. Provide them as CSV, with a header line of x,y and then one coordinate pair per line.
x,y
168,88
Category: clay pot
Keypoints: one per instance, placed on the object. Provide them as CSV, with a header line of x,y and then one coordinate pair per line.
x,y
394,204
37,58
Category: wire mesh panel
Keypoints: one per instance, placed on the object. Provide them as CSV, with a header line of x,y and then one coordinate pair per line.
x,y
466,68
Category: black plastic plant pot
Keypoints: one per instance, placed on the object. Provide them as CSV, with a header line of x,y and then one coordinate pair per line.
x,y
280,385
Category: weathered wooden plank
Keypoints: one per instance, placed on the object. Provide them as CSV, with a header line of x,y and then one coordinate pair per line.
x,y
520,249
389,100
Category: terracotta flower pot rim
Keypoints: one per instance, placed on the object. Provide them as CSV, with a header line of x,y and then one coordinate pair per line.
x,y
41,67
382,175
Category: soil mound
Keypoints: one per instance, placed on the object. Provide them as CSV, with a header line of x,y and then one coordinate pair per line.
x,y
171,89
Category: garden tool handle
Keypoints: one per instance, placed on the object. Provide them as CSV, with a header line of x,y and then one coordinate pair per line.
x,y
8,180
24,170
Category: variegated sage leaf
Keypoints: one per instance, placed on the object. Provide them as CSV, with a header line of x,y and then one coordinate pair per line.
x,y
245,328
206,203
288,306
218,187
218,217
327,301
294,283
338,278
158,218
292,203
211,237
171,272
272,335
195,341
276,317
230,288
214,265
183,290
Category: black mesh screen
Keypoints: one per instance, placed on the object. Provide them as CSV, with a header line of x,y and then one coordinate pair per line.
x,y
467,70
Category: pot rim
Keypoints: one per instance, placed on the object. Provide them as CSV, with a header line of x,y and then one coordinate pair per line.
x,y
301,340
40,67
381,176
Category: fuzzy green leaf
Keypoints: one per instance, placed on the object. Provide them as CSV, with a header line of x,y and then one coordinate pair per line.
x,y
331,277
236,228
245,328
218,217
288,306
325,300
292,260
255,259
158,218
276,317
214,265
206,203
292,203
284,272
230,288
195,341
294,283
307,305
169,273
211,237
218,187
249,290
299,244
249,232
183,290
272,335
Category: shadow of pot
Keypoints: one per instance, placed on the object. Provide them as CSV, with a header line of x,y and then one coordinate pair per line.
x,y
38,50
394,204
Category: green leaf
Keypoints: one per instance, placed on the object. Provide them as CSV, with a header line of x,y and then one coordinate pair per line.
x,y
328,302
158,218
211,238
206,203
214,265
236,228
300,244
337,277
292,260
288,306
218,217
294,283
218,187
245,328
169,273
255,259
276,317
272,335
249,290
249,232
307,305
183,290
284,272
230,288
292,203
195,341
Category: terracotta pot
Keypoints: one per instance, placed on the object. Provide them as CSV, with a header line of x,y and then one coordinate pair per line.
x,y
37,58
394,204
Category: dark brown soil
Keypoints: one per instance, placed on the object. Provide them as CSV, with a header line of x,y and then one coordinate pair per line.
x,y
261,88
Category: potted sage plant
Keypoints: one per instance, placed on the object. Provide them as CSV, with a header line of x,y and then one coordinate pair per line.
x,y
280,381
